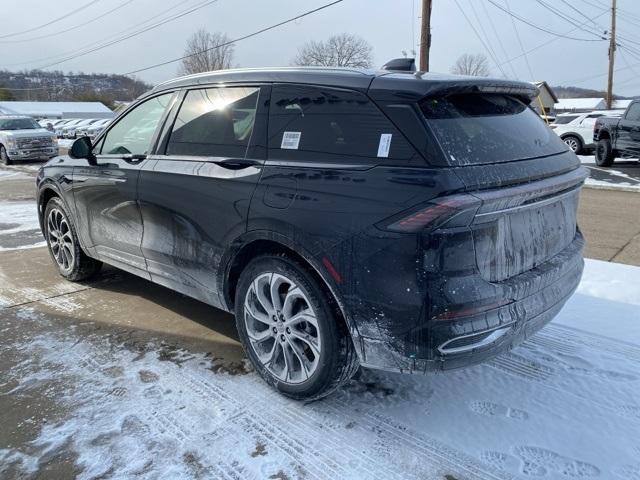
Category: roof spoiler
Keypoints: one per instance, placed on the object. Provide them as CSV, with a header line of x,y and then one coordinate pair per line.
x,y
386,87
401,65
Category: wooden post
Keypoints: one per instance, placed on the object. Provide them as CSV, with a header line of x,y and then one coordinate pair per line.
x,y
425,35
612,50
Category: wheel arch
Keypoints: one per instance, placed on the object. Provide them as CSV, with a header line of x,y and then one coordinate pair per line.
x,y
46,193
257,243
604,135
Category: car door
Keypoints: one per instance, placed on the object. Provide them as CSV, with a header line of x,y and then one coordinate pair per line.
x,y
194,196
109,220
629,131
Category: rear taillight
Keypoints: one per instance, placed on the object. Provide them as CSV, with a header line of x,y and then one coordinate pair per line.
x,y
433,214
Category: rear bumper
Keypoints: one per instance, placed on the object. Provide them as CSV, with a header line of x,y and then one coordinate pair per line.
x,y
530,300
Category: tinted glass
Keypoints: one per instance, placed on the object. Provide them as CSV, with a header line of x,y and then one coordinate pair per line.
x,y
133,133
565,119
215,122
488,128
324,124
634,113
19,124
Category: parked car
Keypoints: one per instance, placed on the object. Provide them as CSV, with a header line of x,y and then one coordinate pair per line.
x,y
59,130
93,129
408,222
22,138
618,136
71,131
576,130
49,123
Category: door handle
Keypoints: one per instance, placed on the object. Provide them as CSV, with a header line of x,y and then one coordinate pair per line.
x,y
134,158
238,163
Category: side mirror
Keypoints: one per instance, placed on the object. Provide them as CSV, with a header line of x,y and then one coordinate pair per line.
x,y
81,148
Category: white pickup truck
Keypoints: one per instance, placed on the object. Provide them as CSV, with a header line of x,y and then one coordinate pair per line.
x,y
22,138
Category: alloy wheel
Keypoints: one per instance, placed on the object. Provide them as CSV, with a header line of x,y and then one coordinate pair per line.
x,y
572,143
282,328
60,240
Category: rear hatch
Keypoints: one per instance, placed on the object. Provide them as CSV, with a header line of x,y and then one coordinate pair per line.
x,y
524,180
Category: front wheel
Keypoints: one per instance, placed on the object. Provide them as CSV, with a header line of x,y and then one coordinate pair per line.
x,y
604,153
4,157
291,331
64,248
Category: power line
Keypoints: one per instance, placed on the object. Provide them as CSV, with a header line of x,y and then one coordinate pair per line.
x,y
495,32
75,27
105,39
51,22
134,34
486,37
480,38
537,27
515,29
239,39
569,19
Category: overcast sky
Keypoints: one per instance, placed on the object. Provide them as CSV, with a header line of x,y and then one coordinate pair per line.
x,y
391,26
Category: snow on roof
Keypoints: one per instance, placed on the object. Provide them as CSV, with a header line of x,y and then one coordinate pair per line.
x,y
54,109
620,104
580,103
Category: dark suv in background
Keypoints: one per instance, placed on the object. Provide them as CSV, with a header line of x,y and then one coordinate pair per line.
x,y
408,222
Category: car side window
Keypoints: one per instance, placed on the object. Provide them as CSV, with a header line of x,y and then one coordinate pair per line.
x,y
216,122
330,125
132,134
634,113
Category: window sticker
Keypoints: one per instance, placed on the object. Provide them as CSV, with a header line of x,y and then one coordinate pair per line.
x,y
290,140
385,145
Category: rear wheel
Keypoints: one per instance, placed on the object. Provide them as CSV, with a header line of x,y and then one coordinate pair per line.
x,y
574,143
4,157
290,330
64,248
604,153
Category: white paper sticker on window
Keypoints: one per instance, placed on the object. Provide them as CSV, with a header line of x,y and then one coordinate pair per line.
x,y
290,140
384,145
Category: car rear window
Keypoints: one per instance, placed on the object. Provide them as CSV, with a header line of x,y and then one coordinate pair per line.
x,y
565,119
478,128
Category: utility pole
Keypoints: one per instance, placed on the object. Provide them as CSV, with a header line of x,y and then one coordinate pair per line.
x,y
425,35
612,50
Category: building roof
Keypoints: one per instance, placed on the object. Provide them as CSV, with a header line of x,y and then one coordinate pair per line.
x,y
541,84
580,103
53,109
621,104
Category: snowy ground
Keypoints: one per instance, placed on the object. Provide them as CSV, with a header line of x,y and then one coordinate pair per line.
x,y
566,404
19,227
624,174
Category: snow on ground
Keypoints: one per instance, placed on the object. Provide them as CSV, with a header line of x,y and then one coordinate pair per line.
x,y
564,405
19,227
609,177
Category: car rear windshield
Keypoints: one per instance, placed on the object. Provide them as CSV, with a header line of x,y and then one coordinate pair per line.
x,y
18,124
485,128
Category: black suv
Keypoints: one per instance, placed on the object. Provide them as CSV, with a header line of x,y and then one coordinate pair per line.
x,y
402,221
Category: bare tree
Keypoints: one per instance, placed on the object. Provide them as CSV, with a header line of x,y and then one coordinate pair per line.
x,y
203,56
475,64
344,50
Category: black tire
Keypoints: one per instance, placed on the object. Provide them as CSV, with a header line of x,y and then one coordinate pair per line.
x,y
604,153
4,157
337,361
574,143
82,267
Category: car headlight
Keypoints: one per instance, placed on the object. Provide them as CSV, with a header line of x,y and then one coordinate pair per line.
x,y
54,141
11,143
